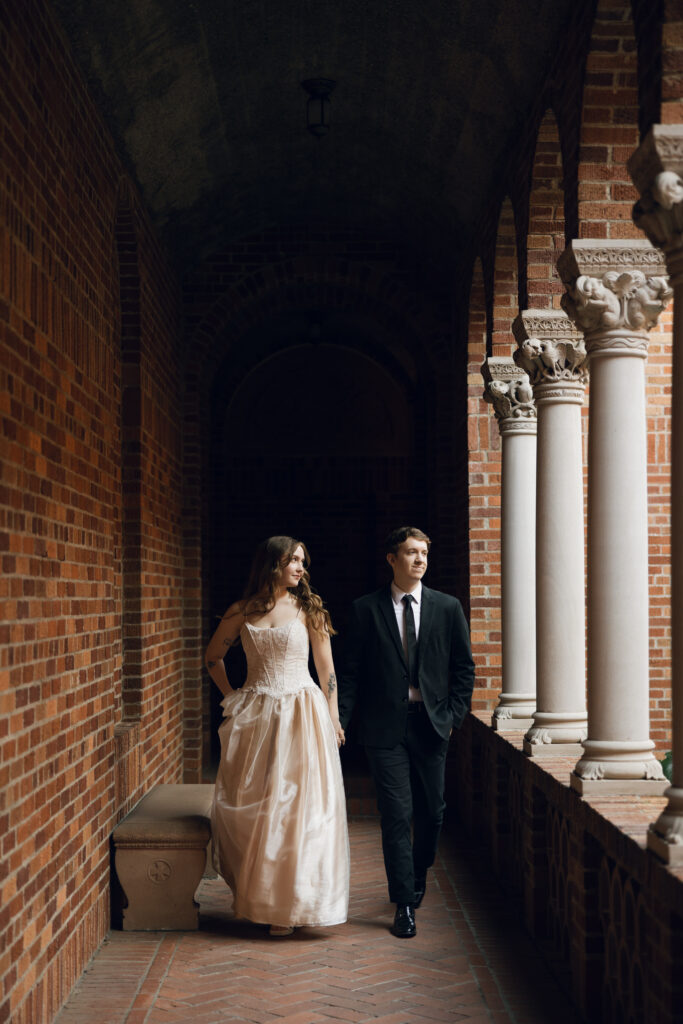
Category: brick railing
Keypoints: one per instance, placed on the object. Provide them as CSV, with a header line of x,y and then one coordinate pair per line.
x,y
590,889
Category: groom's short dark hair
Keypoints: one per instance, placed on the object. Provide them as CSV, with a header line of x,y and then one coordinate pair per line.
x,y
396,538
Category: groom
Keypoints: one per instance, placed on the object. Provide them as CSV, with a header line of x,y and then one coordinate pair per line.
x,y
409,671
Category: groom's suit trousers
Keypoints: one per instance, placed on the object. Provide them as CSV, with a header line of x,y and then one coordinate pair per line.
x,y
409,782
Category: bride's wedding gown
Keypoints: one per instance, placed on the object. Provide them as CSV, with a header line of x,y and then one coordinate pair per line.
x,y
279,811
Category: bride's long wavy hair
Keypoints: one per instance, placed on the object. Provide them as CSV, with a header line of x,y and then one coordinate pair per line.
x,y
270,558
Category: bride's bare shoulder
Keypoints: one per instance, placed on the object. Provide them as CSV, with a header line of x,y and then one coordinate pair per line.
x,y
235,614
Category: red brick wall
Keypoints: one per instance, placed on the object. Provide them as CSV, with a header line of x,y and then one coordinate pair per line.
x,y
546,233
505,282
61,340
483,445
609,125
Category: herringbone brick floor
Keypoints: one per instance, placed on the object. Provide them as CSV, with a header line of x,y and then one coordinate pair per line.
x,y
470,962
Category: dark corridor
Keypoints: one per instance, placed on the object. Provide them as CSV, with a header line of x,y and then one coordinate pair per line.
x,y
320,433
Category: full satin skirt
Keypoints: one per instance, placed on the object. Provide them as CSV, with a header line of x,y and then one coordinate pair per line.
x,y
279,812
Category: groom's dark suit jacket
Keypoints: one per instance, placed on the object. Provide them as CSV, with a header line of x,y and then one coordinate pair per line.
x,y
375,674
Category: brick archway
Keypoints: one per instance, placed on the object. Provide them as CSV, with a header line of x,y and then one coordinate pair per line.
x,y
401,335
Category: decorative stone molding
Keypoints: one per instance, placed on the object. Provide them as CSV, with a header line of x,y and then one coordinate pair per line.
x,y
551,350
515,710
657,172
595,257
661,150
617,299
603,760
537,737
510,393
557,727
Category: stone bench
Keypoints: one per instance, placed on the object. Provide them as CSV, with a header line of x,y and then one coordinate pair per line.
x,y
160,854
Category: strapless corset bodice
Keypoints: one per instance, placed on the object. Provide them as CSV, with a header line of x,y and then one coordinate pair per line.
x,y
277,658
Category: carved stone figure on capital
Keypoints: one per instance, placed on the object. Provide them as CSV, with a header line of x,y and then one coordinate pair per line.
x,y
626,301
548,360
512,399
659,212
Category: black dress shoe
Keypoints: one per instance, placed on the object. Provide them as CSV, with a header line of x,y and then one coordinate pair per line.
x,y
420,889
404,922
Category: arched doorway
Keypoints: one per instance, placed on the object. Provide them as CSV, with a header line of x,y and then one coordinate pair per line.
x,y
319,431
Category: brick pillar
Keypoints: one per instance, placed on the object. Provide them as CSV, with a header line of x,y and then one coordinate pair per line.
x,y
616,290
509,392
657,171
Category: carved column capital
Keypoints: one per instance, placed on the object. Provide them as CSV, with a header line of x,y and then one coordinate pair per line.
x,y
615,291
508,390
552,352
656,169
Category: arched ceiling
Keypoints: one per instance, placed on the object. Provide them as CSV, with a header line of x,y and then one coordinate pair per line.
x,y
205,102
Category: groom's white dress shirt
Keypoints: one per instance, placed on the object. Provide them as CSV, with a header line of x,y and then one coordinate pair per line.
x,y
399,609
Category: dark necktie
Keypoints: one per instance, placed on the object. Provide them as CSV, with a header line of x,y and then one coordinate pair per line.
x,y
410,638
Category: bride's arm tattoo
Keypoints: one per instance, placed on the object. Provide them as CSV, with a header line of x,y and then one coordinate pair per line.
x,y
331,684
226,643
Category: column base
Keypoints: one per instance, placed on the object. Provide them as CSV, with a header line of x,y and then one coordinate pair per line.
x,y
511,724
616,766
613,787
552,749
515,711
556,733
665,836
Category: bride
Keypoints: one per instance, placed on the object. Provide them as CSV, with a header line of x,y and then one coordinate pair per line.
x,y
279,814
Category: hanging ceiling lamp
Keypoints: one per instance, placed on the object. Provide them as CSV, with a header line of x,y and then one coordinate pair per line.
x,y
318,106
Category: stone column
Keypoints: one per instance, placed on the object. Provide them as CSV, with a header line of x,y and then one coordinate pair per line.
x,y
615,292
657,172
551,351
509,391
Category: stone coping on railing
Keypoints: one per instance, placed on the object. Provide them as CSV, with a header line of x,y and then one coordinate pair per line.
x,y
618,822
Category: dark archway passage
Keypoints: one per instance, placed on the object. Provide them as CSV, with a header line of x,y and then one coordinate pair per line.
x,y
320,402
320,436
